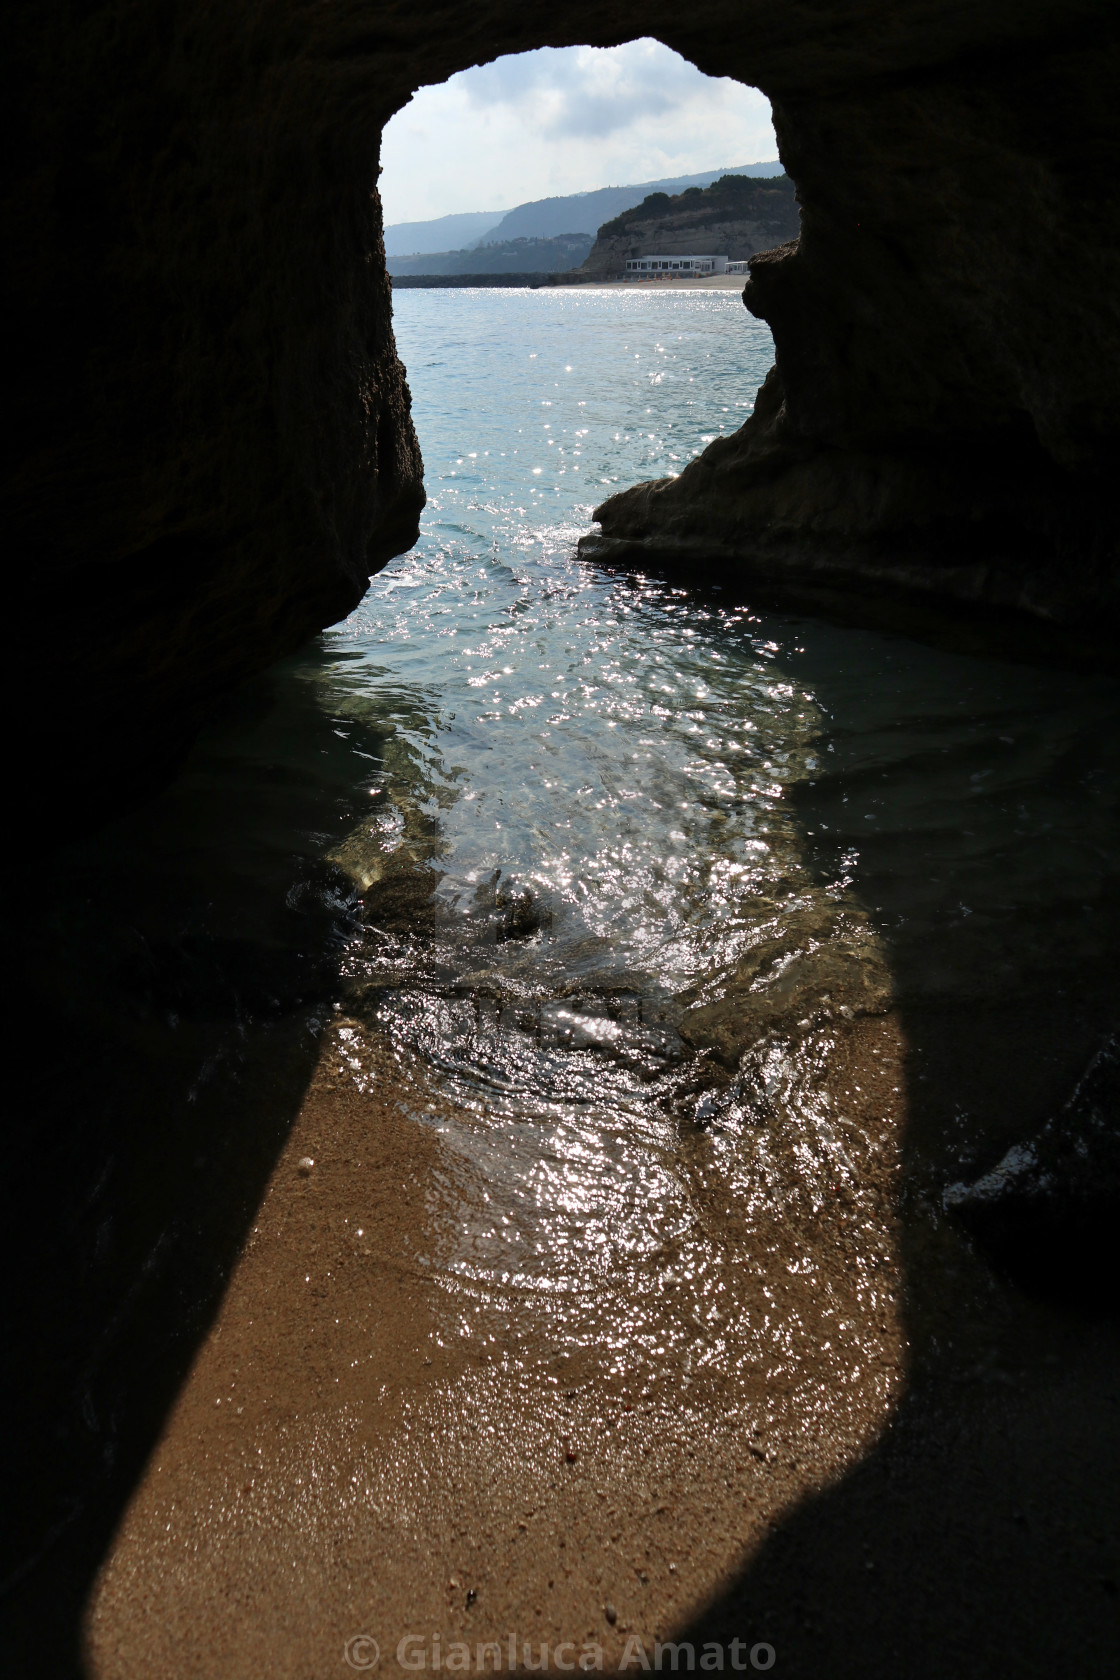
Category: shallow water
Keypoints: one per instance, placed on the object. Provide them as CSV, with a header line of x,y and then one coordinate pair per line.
x,y
615,790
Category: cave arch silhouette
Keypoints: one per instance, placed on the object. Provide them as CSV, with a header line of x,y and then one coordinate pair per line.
x,y
214,451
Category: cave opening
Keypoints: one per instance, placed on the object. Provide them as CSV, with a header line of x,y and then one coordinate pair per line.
x,y
525,126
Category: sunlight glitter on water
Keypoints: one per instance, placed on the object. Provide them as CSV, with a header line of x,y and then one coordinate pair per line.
x,y
588,778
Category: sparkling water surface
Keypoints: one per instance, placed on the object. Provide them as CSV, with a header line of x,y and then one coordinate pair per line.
x,y
612,787
611,748
537,811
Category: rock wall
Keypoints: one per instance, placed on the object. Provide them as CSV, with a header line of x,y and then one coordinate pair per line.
x,y
735,217
941,425
209,446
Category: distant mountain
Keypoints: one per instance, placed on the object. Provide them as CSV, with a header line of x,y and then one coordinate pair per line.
x,y
586,212
544,218
444,234
506,256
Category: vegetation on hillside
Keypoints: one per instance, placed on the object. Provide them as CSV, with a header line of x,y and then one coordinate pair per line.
x,y
522,255
732,197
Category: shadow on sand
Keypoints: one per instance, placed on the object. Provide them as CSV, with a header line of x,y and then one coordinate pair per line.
x,y
980,1536
181,964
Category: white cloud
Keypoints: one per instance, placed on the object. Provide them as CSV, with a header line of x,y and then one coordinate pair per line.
x,y
565,120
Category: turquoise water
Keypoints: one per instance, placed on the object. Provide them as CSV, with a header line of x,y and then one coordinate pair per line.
x,y
607,752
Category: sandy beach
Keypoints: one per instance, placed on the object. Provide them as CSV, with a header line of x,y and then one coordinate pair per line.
x,y
381,1439
384,1455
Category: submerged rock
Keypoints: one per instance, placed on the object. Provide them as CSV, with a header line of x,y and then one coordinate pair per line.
x,y
1048,1212
820,966
509,911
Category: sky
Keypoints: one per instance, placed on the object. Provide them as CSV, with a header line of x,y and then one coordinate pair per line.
x,y
563,120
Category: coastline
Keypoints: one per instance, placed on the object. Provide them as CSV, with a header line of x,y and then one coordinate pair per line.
x,y
539,282
710,283
320,1468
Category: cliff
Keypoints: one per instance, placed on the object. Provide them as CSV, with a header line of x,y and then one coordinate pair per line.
x,y
209,445
735,217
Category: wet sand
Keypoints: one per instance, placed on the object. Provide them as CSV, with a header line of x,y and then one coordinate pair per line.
x,y
380,1439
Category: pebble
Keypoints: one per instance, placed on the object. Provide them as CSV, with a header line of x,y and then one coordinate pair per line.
x,y
306,1166
610,1613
